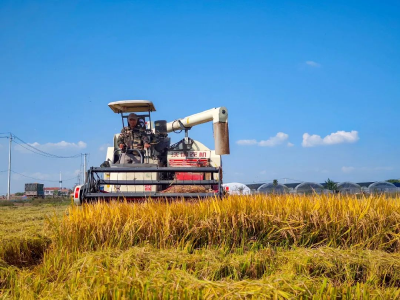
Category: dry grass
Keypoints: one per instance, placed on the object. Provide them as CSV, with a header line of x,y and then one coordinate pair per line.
x,y
22,234
278,221
248,247
149,273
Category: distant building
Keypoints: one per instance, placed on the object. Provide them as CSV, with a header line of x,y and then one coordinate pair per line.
x,y
50,191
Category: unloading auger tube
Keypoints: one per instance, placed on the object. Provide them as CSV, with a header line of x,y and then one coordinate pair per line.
x,y
162,166
219,117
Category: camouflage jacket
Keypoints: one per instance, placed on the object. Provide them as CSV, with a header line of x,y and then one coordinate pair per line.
x,y
132,138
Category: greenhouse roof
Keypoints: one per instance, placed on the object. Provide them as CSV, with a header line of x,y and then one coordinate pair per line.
x,y
382,184
348,184
254,186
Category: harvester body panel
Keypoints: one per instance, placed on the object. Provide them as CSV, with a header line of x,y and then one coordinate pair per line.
x,y
186,169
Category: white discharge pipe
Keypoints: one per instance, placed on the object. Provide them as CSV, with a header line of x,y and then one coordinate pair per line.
x,y
219,117
219,114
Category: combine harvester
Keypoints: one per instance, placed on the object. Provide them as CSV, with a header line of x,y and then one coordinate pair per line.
x,y
185,169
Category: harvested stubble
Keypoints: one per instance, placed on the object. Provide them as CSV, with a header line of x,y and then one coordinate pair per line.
x,y
148,273
279,221
22,238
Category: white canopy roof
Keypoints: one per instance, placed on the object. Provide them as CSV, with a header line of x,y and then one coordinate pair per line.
x,y
131,106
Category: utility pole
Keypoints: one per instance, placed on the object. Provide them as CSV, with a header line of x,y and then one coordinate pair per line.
x,y
9,168
84,168
60,182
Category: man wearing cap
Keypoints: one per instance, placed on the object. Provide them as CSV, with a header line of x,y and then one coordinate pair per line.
x,y
132,137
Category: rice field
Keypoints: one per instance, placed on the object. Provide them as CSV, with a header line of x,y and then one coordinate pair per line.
x,y
241,247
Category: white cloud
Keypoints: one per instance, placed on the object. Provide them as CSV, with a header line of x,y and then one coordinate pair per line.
x,y
279,139
313,64
274,141
77,172
348,169
338,137
59,145
246,142
263,172
104,147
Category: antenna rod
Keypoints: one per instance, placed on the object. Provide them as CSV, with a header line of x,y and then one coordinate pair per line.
x,y
84,168
9,168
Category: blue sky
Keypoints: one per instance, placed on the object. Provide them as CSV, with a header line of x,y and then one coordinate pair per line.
x,y
282,68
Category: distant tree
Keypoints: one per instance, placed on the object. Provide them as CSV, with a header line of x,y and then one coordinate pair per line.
x,y
331,185
393,180
19,194
275,182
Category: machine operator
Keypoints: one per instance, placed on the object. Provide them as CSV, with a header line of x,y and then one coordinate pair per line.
x,y
132,137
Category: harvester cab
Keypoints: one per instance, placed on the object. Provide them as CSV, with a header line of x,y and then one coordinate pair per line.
x,y
186,169
155,133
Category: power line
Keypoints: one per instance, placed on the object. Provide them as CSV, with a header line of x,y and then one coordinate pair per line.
x,y
40,152
262,181
298,180
42,179
22,145
32,149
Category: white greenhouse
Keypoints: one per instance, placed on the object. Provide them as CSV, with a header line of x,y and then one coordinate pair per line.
x,y
270,188
309,188
382,187
236,188
349,188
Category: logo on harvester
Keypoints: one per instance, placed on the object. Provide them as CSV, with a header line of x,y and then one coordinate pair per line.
x,y
189,154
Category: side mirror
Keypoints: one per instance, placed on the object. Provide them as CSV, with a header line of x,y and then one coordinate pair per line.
x,y
105,164
160,127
